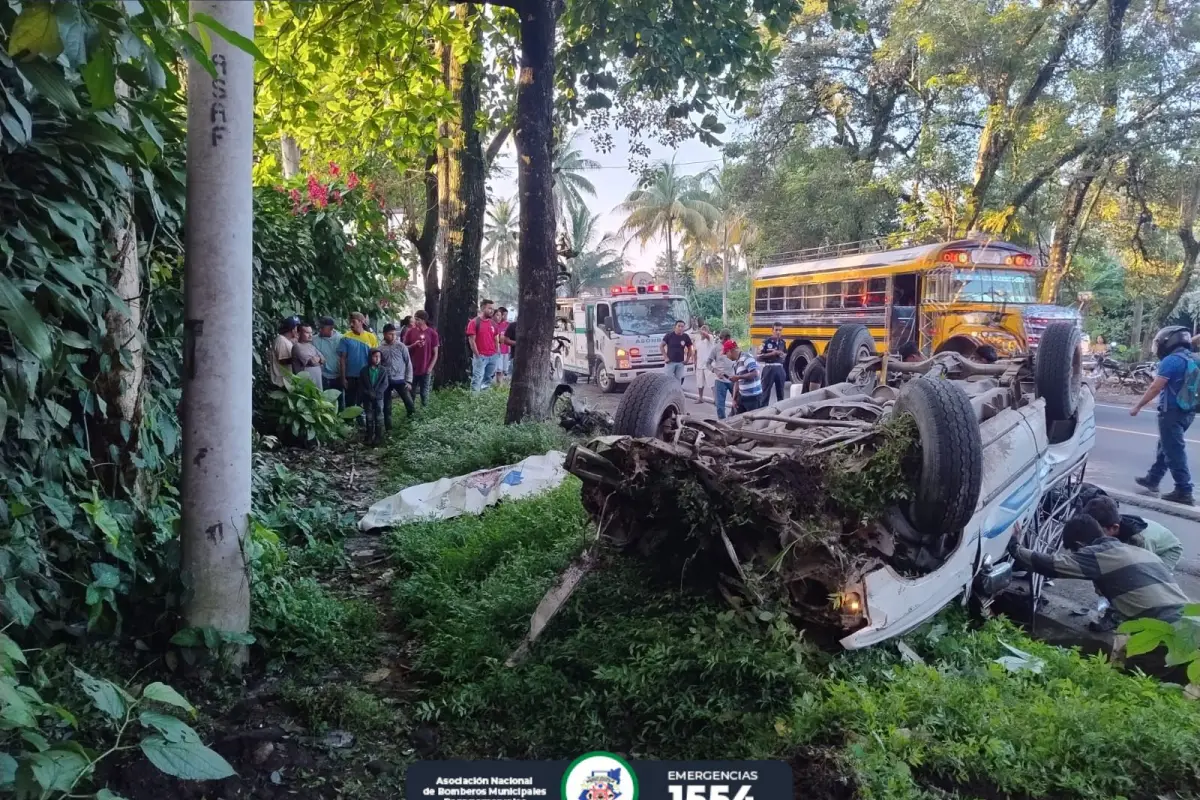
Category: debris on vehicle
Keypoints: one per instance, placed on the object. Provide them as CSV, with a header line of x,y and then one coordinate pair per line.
x,y
576,417
865,506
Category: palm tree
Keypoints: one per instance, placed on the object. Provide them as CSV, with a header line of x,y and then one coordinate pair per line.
x,y
732,231
500,234
590,268
569,184
664,204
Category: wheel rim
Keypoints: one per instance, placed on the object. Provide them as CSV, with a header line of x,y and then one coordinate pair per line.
x,y
667,423
603,377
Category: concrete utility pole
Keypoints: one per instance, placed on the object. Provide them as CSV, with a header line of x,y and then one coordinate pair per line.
x,y
217,345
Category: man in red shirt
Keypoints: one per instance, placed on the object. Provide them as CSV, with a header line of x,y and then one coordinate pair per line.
x,y
484,338
423,345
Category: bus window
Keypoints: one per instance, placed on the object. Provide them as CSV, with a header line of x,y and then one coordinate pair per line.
x,y
904,290
877,292
833,294
795,298
760,300
814,296
855,295
775,301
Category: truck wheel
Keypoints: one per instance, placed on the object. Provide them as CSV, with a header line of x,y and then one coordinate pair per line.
x,y
849,343
799,360
814,376
570,377
951,455
1058,371
605,379
649,406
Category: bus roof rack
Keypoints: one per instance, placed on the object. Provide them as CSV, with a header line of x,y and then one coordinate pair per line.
x,y
874,245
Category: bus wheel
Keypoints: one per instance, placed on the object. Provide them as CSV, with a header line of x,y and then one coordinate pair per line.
x,y
605,379
650,407
798,360
850,343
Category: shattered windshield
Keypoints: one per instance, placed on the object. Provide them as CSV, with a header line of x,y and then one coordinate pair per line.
x,y
645,317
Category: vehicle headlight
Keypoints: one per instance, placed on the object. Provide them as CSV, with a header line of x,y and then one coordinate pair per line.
x,y
1003,341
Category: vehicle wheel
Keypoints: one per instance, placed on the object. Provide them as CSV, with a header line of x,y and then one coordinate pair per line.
x,y
814,376
605,379
951,455
1058,371
799,360
849,344
561,400
649,406
569,377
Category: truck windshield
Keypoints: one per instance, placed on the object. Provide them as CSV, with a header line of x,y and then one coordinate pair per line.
x,y
649,317
994,286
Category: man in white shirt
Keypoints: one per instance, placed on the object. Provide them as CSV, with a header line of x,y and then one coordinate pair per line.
x,y
280,356
704,346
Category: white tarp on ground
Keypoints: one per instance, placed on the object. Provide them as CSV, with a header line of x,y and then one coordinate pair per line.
x,y
467,494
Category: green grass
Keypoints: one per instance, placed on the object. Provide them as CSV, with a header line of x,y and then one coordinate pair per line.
x,y
462,432
325,707
661,672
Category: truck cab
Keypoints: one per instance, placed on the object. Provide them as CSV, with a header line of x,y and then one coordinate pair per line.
x,y
616,336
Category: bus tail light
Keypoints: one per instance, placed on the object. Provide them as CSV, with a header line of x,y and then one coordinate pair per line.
x,y
956,257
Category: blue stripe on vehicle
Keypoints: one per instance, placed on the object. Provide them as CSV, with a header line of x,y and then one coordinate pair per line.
x,y
1015,504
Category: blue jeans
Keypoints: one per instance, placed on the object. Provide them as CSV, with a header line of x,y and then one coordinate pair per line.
x,y
773,375
721,391
1172,450
676,369
483,371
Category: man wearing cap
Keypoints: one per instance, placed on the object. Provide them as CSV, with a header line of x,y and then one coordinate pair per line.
x,y
326,341
747,378
720,366
280,357
353,350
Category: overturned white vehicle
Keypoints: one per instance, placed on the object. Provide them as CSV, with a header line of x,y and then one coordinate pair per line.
x,y
865,506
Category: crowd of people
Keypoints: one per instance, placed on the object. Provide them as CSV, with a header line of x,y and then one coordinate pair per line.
x,y
365,372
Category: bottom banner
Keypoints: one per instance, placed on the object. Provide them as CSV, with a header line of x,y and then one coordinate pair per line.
x,y
599,776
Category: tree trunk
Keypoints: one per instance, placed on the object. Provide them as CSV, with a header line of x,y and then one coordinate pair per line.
x,y
426,243
1189,203
1067,230
670,255
290,152
217,347
1135,325
536,256
122,386
463,201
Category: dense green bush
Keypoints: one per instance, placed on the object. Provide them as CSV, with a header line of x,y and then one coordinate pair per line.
x,y
462,432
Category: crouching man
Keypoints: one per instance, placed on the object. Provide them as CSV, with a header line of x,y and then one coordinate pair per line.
x,y
1135,582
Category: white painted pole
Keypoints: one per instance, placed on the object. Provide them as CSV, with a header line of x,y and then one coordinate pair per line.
x,y
218,307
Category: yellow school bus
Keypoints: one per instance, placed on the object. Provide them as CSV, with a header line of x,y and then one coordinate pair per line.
x,y
956,295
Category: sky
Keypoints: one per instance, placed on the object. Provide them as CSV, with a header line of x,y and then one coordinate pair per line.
x,y
613,181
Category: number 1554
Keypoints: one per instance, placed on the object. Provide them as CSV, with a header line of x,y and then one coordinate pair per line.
x,y
709,792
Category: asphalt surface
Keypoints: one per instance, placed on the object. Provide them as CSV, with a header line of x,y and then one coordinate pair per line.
x,y
1125,447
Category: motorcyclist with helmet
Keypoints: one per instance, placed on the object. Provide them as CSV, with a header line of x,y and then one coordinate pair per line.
x,y
1173,345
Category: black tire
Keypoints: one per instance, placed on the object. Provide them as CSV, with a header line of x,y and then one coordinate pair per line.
x,y
814,376
648,402
848,343
570,377
799,360
605,379
1058,370
951,455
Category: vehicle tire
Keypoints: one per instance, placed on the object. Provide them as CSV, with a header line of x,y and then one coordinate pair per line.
x,y
849,342
799,360
1058,371
605,379
570,377
649,402
814,376
951,455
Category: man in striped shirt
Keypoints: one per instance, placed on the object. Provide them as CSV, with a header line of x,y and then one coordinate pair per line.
x,y
746,377
1135,581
